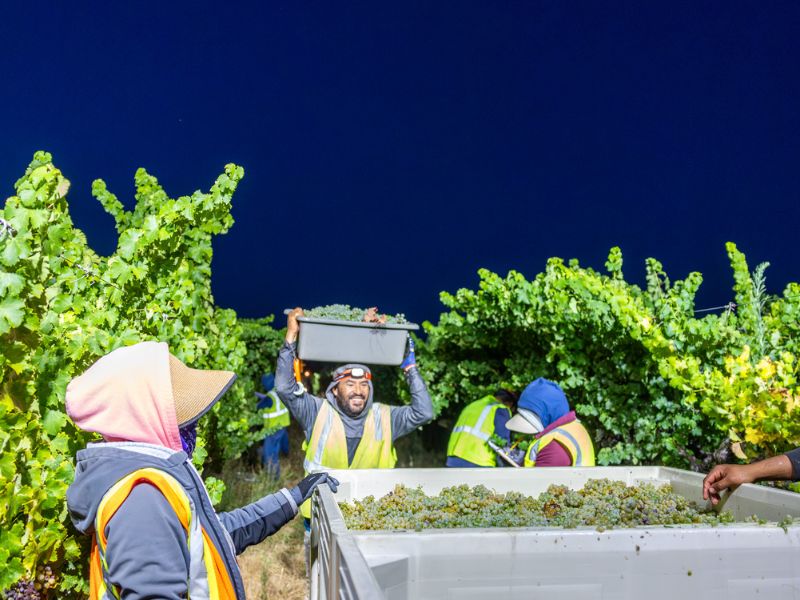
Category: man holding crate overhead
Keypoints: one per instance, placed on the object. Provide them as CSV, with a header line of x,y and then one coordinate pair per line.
x,y
346,429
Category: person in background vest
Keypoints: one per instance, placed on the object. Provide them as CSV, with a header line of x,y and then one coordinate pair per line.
x,y
559,439
154,531
346,429
477,423
276,420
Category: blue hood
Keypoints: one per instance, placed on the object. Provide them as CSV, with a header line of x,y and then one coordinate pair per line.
x,y
546,399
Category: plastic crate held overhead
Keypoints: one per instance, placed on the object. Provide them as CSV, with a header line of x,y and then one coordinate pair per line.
x,y
332,340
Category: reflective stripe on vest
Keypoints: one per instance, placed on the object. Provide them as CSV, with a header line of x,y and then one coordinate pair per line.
x,y
277,415
327,446
208,576
468,442
476,429
572,436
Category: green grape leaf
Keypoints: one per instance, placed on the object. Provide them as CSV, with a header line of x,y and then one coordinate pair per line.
x,y
12,312
11,284
53,422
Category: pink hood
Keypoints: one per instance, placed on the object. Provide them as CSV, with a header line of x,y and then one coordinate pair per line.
x,y
126,396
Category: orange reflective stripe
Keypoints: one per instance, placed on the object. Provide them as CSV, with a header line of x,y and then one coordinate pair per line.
x,y
220,584
96,581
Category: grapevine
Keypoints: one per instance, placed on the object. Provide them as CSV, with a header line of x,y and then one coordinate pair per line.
x,y
602,503
62,306
654,381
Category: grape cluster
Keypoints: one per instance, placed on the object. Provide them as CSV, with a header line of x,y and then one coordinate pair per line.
x,y
344,312
32,589
458,506
602,503
22,590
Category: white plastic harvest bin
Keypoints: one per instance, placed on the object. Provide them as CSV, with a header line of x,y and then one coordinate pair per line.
x,y
732,562
330,340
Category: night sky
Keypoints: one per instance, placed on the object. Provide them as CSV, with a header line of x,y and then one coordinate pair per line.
x,y
392,149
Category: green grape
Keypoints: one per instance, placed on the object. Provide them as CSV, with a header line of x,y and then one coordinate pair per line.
x,y
344,312
602,503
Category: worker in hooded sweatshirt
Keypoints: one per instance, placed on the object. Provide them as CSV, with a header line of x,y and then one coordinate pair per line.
x,y
346,429
558,437
154,531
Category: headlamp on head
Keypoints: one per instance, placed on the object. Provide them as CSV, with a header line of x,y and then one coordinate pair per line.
x,y
355,372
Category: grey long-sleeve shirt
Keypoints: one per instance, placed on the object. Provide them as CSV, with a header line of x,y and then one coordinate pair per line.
x,y
305,407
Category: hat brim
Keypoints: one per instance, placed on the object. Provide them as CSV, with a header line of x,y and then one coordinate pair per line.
x,y
196,391
520,424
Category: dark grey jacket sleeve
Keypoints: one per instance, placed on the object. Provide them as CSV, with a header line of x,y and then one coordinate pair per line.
x,y
304,408
144,522
407,418
252,523
794,457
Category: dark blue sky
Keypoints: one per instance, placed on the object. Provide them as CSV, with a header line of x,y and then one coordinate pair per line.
x,y
393,149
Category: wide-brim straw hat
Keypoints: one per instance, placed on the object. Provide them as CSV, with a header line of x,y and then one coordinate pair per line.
x,y
196,391
143,393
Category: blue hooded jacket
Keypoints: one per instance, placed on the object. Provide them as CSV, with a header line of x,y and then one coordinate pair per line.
x,y
546,399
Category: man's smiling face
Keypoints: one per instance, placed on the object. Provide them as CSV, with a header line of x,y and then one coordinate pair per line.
x,y
351,395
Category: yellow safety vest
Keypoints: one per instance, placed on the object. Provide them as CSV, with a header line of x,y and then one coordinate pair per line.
x,y
208,576
473,429
327,446
276,416
573,436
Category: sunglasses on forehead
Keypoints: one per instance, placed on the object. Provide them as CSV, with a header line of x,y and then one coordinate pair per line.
x,y
356,372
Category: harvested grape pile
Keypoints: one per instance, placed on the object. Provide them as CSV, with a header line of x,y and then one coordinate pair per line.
x,y
602,503
344,312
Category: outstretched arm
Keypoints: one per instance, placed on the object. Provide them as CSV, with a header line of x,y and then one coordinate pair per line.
x,y
252,523
722,477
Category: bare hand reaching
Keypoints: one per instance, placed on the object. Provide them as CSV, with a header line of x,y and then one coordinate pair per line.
x,y
721,478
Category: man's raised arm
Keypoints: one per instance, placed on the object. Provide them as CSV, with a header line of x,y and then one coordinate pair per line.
x,y
407,418
303,406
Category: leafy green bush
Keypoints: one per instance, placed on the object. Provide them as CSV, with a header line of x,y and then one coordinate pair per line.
x,y
62,306
653,381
